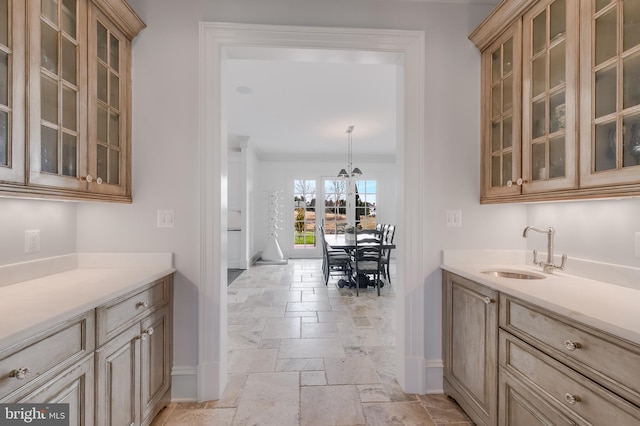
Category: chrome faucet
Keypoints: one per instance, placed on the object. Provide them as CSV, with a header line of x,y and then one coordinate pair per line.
x,y
548,266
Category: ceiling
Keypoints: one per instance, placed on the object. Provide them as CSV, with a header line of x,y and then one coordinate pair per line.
x,y
300,101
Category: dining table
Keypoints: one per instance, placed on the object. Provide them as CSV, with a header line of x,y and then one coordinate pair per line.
x,y
339,242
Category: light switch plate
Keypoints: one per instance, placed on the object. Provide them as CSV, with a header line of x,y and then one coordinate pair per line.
x,y
32,241
454,218
165,218
638,245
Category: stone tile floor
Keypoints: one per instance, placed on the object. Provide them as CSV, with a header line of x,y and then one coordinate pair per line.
x,y
302,353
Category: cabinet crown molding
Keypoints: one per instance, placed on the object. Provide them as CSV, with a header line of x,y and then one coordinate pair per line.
x,y
505,14
120,12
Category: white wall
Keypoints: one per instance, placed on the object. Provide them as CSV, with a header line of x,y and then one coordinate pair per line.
x,y
56,221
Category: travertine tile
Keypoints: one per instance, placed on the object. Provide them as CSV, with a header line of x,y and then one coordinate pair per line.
x,y
201,417
390,392
351,370
232,392
397,414
443,409
330,405
313,378
300,364
269,399
311,348
252,360
281,328
308,306
317,330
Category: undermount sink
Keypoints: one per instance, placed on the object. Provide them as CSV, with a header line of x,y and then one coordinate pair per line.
x,y
518,275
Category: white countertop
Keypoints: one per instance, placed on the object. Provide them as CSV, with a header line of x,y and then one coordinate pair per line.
x,y
612,308
81,282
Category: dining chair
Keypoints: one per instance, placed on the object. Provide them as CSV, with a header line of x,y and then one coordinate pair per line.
x,y
334,262
389,235
366,257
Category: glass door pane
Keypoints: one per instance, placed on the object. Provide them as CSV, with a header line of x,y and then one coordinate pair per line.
x,y
335,206
304,214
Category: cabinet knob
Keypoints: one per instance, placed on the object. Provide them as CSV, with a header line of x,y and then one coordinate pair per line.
x,y
487,300
571,399
149,331
571,345
90,179
21,373
144,304
518,182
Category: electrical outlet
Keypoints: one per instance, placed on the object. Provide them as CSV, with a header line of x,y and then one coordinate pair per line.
x,y
165,218
32,241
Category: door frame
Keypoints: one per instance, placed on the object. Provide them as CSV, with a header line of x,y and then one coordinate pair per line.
x,y
409,47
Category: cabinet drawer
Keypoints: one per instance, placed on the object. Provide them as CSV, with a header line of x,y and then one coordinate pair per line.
x,y
117,315
604,358
45,354
583,400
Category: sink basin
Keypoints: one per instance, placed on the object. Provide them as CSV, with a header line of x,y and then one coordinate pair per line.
x,y
518,275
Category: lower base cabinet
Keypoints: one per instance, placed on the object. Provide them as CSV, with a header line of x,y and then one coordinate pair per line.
x,y
112,364
549,369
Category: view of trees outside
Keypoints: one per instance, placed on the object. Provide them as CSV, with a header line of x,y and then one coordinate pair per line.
x,y
304,223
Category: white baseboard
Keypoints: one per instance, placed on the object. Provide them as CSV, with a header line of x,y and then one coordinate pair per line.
x,y
433,371
237,264
184,384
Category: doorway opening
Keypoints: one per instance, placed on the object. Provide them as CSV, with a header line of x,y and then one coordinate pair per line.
x,y
216,43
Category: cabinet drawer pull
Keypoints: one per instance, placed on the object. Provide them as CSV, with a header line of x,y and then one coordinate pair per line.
x,y
571,399
144,304
487,300
20,374
571,346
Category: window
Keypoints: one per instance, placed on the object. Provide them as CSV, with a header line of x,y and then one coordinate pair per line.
x,y
304,219
336,215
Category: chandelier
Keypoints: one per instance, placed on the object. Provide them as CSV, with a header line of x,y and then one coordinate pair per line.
x,y
352,172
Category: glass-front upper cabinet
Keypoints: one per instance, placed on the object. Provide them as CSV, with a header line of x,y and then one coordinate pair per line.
x,y
57,124
610,118
501,88
108,113
12,86
550,77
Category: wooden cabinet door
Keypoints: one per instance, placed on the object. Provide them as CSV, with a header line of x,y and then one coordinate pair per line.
x,y
470,347
12,91
610,103
57,93
75,387
118,380
501,115
549,87
156,351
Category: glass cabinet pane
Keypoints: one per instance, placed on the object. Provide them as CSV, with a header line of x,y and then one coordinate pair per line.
x,y
507,65
4,139
114,129
538,163
605,148
102,163
631,147
605,92
69,12
507,138
4,22
495,137
538,120
496,58
496,100
556,158
4,79
605,37
539,76
557,63
49,99
601,3
507,95
539,38
631,28
114,53
49,9
69,109
69,61
49,150
102,120
507,168
557,20
69,155
101,43
495,171
557,112
49,48
631,81
102,83
114,91
114,166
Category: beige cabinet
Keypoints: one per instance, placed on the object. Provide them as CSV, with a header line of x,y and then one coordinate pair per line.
x,y
67,123
53,366
133,366
470,345
573,130
542,368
